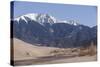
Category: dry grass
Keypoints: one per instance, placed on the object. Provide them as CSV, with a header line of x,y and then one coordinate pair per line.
x,y
23,50
91,50
31,54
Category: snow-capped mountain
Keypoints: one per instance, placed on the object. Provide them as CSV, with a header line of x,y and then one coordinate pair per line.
x,y
43,19
40,18
49,31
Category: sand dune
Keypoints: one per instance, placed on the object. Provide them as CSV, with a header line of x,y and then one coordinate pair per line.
x,y
25,53
23,50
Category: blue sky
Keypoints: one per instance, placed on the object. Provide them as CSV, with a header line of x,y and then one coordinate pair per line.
x,y
86,15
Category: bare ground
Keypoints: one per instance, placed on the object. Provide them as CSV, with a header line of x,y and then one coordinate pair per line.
x,y
26,54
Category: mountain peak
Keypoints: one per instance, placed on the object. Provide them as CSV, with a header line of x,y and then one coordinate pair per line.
x,y
73,22
41,18
45,18
32,16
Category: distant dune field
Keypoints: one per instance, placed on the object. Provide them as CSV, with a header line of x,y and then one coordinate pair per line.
x,y
23,50
25,54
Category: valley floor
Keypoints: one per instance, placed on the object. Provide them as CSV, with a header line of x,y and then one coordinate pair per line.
x,y
53,60
26,54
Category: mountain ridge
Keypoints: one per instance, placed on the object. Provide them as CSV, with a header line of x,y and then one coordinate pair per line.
x,y
44,30
44,17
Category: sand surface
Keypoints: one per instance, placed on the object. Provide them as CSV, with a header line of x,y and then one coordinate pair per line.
x,y
26,54
23,50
